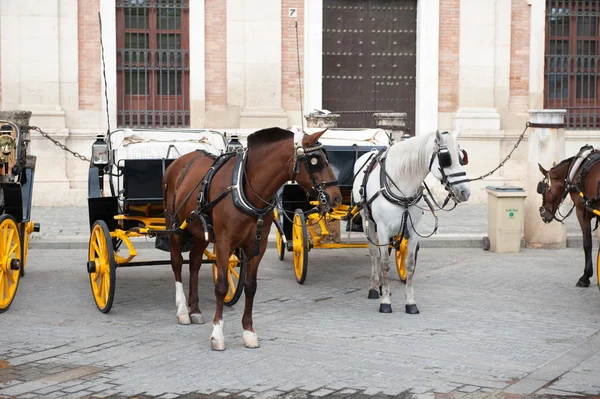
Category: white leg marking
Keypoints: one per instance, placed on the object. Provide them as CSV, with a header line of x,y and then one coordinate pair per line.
x,y
183,315
217,339
250,339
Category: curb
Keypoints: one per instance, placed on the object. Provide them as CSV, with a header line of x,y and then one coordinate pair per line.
x,y
441,241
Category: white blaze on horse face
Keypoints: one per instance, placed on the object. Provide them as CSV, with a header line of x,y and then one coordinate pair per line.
x,y
182,309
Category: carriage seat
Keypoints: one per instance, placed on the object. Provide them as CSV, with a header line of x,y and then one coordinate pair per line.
x,y
141,157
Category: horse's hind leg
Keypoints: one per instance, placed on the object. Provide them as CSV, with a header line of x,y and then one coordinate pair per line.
x,y
411,263
586,229
196,255
183,315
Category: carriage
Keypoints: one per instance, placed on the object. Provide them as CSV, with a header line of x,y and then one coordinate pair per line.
x,y
299,232
16,187
125,203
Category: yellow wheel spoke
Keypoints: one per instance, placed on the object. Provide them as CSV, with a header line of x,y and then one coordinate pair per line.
x,y
234,272
11,234
12,275
96,249
6,292
13,248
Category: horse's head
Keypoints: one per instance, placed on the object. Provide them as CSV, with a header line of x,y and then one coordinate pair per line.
x,y
553,190
447,165
313,172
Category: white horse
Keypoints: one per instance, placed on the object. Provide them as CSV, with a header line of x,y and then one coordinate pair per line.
x,y
391,200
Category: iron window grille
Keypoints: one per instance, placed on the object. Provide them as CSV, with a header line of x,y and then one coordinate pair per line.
x,y
571,62
153,63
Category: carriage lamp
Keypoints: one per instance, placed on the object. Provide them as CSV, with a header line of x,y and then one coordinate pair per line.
x,y
7,142
234,144
100,152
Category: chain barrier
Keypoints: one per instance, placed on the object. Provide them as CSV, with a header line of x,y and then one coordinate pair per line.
x,y
527,125
62,146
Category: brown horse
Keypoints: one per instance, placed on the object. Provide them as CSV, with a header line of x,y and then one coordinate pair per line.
x,y
228,200
578,177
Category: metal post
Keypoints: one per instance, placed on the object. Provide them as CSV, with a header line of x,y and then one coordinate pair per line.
x,y
546,147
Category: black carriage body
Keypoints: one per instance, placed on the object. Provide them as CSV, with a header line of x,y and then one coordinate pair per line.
x,y
142,191
342,159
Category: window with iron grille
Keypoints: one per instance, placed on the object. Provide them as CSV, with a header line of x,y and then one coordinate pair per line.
x,y
153,63
571,65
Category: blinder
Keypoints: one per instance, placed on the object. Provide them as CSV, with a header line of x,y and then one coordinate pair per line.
x,y
463,157
541,187
315,160
444,157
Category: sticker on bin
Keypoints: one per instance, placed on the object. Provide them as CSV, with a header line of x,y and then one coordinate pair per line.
x,y
511,212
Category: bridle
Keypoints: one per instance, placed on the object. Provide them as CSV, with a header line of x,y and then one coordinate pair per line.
x,y
445,161
315,160
545,186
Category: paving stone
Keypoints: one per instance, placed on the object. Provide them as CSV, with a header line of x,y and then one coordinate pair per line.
x,y
322,392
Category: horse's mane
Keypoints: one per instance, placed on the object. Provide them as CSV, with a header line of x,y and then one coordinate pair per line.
x,y
269,135
410,155
560,165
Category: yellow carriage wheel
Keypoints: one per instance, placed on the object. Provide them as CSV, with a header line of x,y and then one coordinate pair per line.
x,y
10,260
401,260
300,246
236,275
278,238
102,266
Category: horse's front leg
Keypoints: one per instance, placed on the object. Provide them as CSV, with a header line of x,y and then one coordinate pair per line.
x,y
411,264
249,335
586,229
223,251
385,305
196,254
183,316
374,256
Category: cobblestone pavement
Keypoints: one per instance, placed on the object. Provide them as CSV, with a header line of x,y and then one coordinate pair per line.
x,y
491,325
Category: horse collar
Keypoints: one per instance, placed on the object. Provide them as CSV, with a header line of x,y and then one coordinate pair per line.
x,y
239,197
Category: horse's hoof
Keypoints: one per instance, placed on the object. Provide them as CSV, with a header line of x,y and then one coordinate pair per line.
x,y
184,319
250,339
217,345
412,309
583,283
385,308
373,294
197,318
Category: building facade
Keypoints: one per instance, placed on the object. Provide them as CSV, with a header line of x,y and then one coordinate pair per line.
x,y
234,65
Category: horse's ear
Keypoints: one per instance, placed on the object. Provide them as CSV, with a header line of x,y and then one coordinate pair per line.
x,y
544,171
456,133
309,140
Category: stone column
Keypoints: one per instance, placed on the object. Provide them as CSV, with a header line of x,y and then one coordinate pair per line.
x,y
30,36
537,44
394,124
477,66
322,120
262,49
546,147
